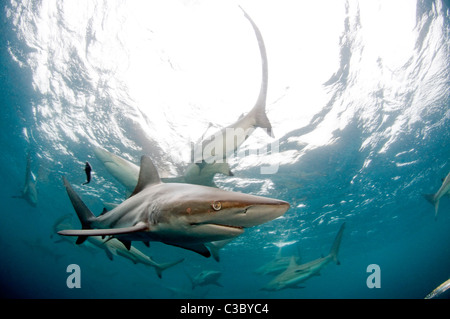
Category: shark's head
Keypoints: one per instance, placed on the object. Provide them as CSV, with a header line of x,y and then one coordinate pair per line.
x,y
215,214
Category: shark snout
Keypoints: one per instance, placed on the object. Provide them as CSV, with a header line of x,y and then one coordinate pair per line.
x,y
261,213
255,213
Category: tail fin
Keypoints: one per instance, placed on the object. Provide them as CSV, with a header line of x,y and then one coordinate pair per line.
x,y
432,200
259,109
336,244
84,214
161,267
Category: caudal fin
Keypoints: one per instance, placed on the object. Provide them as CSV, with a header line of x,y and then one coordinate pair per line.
x,y
431,198
259,110
336,244
84,214
159,269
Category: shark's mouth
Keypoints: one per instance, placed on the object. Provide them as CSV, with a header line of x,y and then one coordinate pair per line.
x,y
220,225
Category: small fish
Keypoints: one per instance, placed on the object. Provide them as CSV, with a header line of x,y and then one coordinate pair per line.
x,y
88,170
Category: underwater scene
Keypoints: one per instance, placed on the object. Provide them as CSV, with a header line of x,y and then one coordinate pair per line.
x,y
225,149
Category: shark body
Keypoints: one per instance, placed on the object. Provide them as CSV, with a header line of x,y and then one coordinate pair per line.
x,y
29,191
443,190
127,173
277,265
184,215
217,147
296,274
206,277
114,247
206,162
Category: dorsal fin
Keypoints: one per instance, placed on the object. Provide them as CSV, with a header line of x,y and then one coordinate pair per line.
x,y
292,262
148,175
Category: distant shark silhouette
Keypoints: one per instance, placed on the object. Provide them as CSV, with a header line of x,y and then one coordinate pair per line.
x,y
277,265
435,198
296,274
112,246
204,278
29,191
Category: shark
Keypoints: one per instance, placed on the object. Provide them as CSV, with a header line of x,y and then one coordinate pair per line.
x,y
112,246
206,277
203,169
296,274
217,147
124,171
435,198
277,265
127,172
178,214
29,191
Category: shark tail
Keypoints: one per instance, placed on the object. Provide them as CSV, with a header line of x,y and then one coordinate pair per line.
x,y
336,244
259,110
261,119
431,198
161,267
84,214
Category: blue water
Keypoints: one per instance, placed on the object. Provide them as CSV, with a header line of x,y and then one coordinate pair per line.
x,y
389,144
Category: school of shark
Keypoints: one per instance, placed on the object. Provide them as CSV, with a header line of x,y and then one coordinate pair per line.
x,y
190,212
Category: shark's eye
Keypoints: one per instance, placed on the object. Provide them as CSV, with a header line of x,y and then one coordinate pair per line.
x,y
216,206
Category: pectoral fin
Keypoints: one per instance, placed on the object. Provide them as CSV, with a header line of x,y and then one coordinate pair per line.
x,y
105,232
198,248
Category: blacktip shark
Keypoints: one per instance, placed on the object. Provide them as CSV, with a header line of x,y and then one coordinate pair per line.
x,y
217,147
115,247
296,274
435,198
29,191
206,277
277,265
203,169
112,247
127,173
183,215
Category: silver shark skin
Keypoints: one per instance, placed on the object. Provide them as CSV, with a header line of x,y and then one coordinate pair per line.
x,y
29,191
217,147
277,265
296,274
183,215
206,277
203,170
435,198
127,173
112,246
